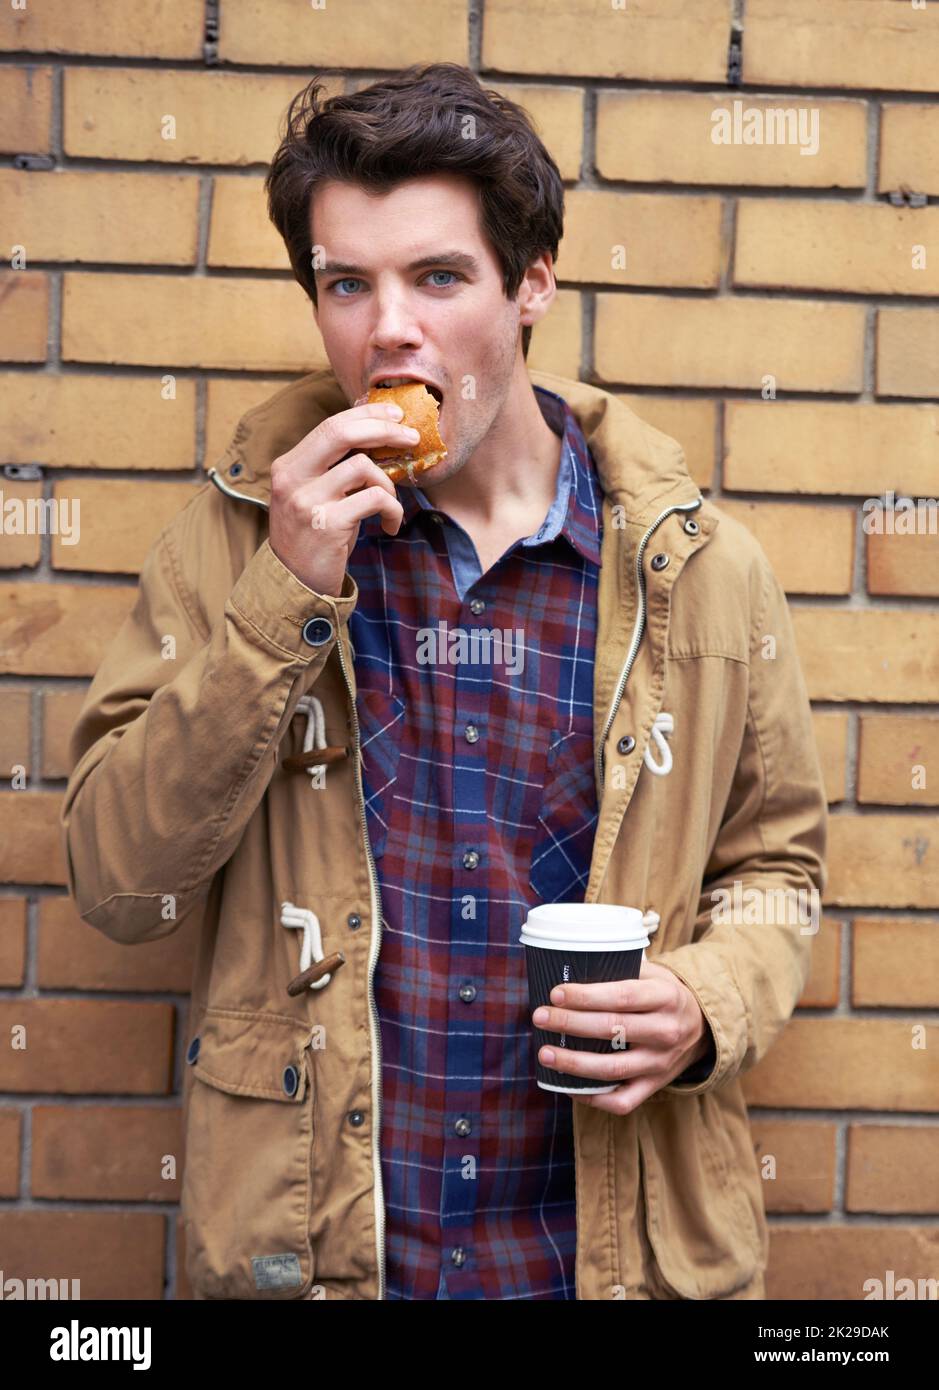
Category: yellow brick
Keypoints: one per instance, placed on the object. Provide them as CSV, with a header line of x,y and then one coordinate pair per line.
x,y
666,137
896,750
822,988
801,446
118,521
78,420
883,951
862,249
108,28
19,551
663,241
831,737
883,861
30,837
892,1168
690,420
227,399
12,969
654,340
83,216
868,1064
653,39
885,655
811,549
909,148
804,1153
351,34
241,233
883,44
60,710
908,354
14,731
558,117
25,110
59,629
167,321
901,564
555,341
24,315
221,117
829,1262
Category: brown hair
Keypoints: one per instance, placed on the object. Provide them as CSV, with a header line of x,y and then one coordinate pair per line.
x,y
408,125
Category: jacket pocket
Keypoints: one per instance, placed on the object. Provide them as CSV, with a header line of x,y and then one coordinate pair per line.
x,y
381,730
567,819
704,1215
247,1175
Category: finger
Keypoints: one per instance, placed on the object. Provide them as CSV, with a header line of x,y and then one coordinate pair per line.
x,y
624,1099
620,996
352,473
621,1028
350,431
368,502
605,1066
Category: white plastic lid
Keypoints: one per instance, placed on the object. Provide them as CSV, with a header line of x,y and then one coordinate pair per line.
x,y
585,927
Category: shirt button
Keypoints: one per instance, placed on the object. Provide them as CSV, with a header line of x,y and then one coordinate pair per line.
x,y
463,1128
435,516
458,1256
470,859
476,606
467,993
472,733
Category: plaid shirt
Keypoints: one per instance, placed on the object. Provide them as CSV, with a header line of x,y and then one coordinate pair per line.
x,y
480,801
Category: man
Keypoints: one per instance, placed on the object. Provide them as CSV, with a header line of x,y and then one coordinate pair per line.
x,y
362,1115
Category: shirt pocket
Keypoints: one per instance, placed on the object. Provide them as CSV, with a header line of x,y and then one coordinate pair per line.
x,y
381,731
567,819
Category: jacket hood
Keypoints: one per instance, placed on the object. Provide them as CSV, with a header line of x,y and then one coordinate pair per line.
x,y
639,467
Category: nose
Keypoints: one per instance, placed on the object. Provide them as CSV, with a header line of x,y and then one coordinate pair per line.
x,y
396,324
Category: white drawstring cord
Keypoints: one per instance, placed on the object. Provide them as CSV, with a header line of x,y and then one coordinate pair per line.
x,y
664,724
312,948
315,735
650,920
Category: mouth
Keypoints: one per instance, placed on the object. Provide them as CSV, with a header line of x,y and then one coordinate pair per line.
x,y
400,380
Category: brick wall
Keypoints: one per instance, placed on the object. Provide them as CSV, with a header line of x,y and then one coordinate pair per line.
x,y
143,258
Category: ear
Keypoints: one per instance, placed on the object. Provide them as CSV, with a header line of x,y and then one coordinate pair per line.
x,y
537,290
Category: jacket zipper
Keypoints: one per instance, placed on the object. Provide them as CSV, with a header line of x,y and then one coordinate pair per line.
x,y
599,761
373,1012
376,910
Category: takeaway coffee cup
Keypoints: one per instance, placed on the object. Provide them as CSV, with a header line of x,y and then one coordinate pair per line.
x,y
584,944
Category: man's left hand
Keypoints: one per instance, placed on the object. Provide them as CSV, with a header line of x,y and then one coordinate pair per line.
x,y
656,1014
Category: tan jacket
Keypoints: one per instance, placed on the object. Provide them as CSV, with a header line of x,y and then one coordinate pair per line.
x,y
179,805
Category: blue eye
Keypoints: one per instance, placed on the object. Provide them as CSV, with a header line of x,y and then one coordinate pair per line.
x,y
442,272
349,280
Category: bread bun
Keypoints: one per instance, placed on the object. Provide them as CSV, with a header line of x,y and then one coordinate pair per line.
x,y
421,412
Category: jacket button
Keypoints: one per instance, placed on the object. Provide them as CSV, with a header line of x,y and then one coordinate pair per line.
x,y
316,631
467,993
692,527
659,561
463,1128
356,1117
354,921
193,1052
291,1080
626,744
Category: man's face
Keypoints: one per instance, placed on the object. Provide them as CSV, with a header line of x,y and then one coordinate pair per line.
x,y
446,320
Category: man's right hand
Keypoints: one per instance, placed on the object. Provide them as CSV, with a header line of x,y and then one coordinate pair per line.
x,y
316,507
